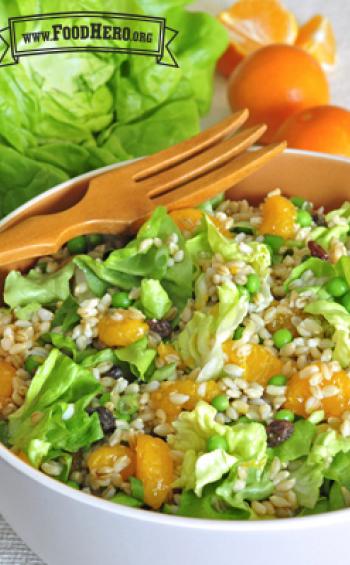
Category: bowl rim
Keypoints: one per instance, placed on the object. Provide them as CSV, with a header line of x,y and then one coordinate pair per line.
x,y
151,517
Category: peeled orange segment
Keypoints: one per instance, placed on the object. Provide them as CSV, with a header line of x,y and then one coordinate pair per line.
x,y
257,362
154,467
255,23
279,216
334,392
168,394
317,38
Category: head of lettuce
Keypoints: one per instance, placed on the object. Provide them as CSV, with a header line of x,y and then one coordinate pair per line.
x,y
64,114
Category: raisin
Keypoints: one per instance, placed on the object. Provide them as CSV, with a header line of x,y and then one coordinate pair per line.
x,y
116,372
106,417
278,431
319,219
161,327
317,251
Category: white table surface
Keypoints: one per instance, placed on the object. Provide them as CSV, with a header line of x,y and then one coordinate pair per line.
x,y
12,549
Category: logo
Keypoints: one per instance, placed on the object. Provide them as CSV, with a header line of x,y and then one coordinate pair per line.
x,y
86,31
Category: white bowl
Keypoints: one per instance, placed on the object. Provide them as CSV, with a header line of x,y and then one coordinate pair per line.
x,y
67,527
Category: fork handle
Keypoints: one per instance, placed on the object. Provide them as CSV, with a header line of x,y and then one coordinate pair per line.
x,y
45,234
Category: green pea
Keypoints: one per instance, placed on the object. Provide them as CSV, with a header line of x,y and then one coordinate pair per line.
x,y
345,301
285,415
253,283
300,202
282,337
238,332
336,287
128,404
278,380
216,442
243,291
121,300
137,489
95,239
220,402
304,218
77,245
32,363
274,241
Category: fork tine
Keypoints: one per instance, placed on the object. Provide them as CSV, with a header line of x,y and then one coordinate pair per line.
x,y
186,149
204,162
218,180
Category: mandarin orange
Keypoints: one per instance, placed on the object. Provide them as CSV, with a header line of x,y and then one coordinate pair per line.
x,y
276,82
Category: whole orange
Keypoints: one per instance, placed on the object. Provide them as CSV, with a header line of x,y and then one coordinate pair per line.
x,y
276,82
323,128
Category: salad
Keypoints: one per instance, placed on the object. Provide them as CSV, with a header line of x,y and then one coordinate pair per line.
x,y
199,369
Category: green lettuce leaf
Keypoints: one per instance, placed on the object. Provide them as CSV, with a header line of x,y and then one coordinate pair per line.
x,y
323,236
67,315
127,267
63,116
246,442
59,394
338,317
299,444
155,301
200,342
138,356
209,506
21,290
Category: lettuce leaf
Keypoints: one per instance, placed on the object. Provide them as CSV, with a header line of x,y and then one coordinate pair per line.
x,y
246,442
63,116
206,506
338,317
59,393
138,356
21,290
200,342
155,302
127,267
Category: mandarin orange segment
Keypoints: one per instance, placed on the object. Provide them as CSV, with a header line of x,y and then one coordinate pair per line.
x,y
7,374
317,38
257,362
255,23
188,219
154,467
278,217
108,456
299,391
164,398
121,333
221,227
24,457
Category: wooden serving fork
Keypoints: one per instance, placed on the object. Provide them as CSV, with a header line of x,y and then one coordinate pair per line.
x,y
182,176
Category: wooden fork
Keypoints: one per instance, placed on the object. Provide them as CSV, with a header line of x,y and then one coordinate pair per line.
x,y
182,176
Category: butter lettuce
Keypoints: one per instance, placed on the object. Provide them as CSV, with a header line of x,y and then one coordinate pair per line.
x,y
200,343
138,356
155,301
127,267
61,116
210,506
246,442
338,317
37,287
59,394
